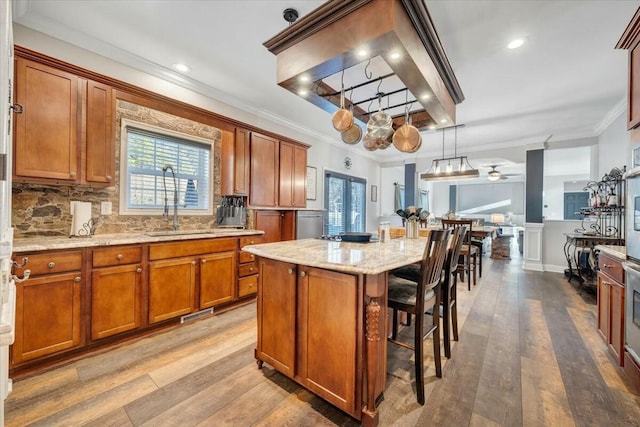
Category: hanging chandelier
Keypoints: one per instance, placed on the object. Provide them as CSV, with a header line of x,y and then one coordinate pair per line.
x,y
448,168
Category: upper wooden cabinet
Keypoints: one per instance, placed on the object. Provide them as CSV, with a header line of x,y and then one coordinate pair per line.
x,y
265,160
235,162
293,174
65,133
630,40
278,173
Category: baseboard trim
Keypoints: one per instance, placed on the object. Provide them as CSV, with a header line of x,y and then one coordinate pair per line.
x,y
555,268
534,266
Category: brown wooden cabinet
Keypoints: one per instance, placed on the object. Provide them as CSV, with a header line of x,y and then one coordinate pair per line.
x,y
235,162
48,306
116,288
630,40
172,284
277,225
293,173
265,160
66,131
278,173
248,268
321,355
611,300
217,279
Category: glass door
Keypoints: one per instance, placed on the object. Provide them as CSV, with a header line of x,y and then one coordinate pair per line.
x,y
345,202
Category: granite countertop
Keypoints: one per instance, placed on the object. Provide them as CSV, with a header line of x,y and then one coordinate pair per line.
x,y
619,252
35,244
358,258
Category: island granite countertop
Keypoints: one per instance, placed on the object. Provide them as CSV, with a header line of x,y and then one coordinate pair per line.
x,y
36,244
357,258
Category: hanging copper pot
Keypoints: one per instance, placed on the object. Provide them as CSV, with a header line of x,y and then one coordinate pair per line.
x,y
352,135
386,141
407,138
343,118
370,142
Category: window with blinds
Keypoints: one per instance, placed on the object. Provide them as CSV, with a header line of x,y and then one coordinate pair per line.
x,y
158,163
345,201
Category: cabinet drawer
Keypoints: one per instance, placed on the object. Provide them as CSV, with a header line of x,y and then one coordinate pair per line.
x,y
191,247
247,285
251,240
50,263
117,256
247,269
246,257
612,267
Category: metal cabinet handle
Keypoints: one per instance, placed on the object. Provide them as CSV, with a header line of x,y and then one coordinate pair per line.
x,y
250,268
291,271
24,262
251,285
204,261
119,256
193,263
303,273
607,266
77,279
51,264
109,178
139,270
72,174
605,283
17,108
25,276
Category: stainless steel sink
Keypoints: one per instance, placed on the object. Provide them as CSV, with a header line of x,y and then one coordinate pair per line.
x,y
179,232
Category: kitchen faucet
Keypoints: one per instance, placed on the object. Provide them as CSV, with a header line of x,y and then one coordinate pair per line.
x,y
165,214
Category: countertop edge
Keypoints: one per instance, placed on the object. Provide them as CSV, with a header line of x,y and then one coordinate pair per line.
x,y
618,252
41,244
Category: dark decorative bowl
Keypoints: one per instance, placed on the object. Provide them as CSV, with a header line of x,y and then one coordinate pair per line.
x,y
355,237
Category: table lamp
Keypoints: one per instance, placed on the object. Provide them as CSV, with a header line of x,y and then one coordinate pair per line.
x,y
498,219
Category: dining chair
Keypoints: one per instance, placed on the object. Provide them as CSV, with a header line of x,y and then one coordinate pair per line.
x,y
448,306
468,252
415,299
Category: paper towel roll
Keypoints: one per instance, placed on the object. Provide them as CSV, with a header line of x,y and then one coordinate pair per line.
x,y
80,220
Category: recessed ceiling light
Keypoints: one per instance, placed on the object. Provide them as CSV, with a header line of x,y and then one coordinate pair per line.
x,y
432,127
302,92
304,78
425,96
443,121
516,43
181,67
395,55
363,52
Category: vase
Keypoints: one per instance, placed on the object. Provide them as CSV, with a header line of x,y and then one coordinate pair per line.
x,y
411,230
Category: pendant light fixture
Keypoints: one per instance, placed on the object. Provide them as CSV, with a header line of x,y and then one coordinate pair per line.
x,y
448,168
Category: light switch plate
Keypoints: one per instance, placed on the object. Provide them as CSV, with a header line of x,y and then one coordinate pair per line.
x,y
105,208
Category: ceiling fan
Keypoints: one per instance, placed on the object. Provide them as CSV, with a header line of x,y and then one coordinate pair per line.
x,y
495,175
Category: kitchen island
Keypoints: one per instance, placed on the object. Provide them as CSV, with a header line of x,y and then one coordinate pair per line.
x,y
322,315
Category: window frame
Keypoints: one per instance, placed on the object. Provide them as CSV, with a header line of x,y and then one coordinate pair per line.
x,y
124,209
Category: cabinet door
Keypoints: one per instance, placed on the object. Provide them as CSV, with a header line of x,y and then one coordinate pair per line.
x,y
616,335
293,175
264,170
115,300
46,134
171,288
603,306
47,316
634,87
277,315
271,223
217,278
327,356
235,162
100,141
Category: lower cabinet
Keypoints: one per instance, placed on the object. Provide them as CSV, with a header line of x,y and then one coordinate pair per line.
x,y
115,300
303,335
47,316
217,279
611,303
172,285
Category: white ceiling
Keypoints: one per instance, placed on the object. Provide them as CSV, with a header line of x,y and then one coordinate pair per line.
x,y
566,82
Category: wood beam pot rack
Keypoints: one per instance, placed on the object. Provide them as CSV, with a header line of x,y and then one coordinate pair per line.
x,y
322,50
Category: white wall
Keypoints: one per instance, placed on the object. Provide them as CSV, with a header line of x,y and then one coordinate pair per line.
x,y
553,240
613,145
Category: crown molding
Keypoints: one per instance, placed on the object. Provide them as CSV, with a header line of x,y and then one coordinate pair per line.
x,y
611,116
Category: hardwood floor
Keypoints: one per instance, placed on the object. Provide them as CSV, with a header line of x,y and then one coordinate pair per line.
x,y
529,354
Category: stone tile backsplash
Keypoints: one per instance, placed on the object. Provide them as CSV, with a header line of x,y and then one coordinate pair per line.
x,y
44,210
